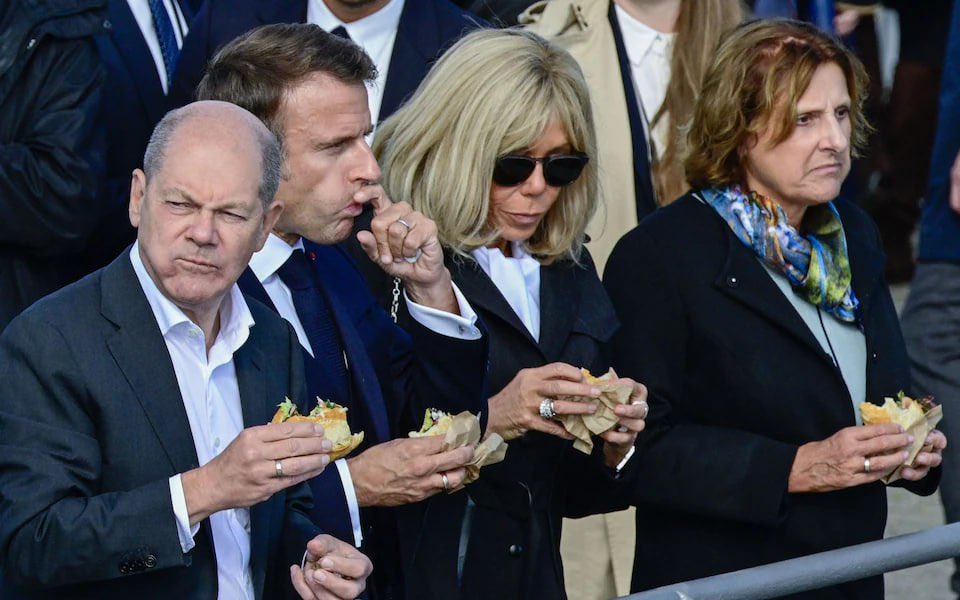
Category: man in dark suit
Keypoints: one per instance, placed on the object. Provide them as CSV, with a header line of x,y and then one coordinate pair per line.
x,y
135,462
403,37
308,86
139,51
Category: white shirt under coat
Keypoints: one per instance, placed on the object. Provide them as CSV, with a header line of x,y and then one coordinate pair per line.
x,y
375,33
649,52
265,265
211,397
141,12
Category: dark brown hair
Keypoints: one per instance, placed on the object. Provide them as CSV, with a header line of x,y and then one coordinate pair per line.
x,y
761,70
254,70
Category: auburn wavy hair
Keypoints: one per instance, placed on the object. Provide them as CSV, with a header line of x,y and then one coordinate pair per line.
x,y
760,71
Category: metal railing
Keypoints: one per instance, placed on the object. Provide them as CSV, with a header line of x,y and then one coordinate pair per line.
x,y
817,570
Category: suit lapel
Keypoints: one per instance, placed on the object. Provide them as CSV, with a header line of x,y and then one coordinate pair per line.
x,y
416,44
558,307
140,352
359,366
744,279
252,381
133,51
483,293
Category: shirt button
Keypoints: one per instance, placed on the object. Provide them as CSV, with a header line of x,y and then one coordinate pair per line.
x,y
515,550
732,282
216,442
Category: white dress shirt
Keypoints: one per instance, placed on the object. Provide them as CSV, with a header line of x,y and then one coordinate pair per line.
x,y
211,397
141,12
518,279
274,254
648,52
375,33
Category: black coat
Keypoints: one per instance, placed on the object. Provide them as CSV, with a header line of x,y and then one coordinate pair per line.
x,y
509,535
50,84
738,382
92,426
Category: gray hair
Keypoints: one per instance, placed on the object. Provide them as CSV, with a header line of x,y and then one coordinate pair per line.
x,y
270,154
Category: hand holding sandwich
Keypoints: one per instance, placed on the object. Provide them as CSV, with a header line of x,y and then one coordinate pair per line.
x,y
929,458
407,470
247,470
619,440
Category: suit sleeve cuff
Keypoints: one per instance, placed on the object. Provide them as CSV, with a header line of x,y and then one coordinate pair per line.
x,y
351,495
462,326
184,530
625,460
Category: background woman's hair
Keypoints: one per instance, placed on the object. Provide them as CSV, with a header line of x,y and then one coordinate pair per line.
x,y
493,93
761,70
700,25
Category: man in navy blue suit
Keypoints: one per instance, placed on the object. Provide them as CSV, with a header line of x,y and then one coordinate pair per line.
x,y
403,37
135,456
308,86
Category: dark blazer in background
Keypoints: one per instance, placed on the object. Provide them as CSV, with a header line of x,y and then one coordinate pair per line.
x,y
92,426
426,29
509,534
132,106
738,382
395,376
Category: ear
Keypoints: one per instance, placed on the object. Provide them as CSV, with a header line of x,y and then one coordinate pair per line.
x,y
138,191
270,217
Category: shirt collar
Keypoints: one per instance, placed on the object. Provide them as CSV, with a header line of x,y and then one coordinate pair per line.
x,y
268,260
365,31
639,39
235,317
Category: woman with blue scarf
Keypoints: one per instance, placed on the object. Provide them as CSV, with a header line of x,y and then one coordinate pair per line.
x,y
755,310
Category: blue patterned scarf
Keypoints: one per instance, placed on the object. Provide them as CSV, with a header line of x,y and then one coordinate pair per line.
x,y
816,264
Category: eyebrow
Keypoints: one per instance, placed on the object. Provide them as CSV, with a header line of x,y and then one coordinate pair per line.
x,y
184,195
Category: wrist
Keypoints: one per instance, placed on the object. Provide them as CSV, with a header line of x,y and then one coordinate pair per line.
x,y
797,479
198,495
613,454
360,489
436,294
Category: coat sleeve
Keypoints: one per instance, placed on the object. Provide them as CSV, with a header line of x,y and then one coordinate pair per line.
x,y
711,471
48,170
56,528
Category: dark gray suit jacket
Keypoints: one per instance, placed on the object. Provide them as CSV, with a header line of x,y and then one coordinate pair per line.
x,y
92,426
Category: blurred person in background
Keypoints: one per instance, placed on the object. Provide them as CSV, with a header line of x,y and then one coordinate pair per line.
x,y
931,317
50,151
755,309
644,61
498,148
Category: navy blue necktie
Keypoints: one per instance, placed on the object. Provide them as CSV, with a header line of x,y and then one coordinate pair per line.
x,y
165,34
299,275
341,31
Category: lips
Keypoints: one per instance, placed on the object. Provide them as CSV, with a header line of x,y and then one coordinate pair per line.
x,y
829,168
526,218
197,266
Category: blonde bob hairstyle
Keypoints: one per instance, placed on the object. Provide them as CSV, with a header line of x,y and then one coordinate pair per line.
x,y
493,93
760,71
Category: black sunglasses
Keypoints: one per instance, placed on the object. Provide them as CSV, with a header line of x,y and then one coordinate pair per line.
x,y
558,169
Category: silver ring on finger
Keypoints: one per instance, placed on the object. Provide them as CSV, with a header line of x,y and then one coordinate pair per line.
x,y
414,258
646,409
445,482
405,224
866,465
278,466
546,409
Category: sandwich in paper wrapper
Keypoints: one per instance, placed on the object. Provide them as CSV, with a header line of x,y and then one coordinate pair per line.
x,y
917,417
583,427
463,430
332,416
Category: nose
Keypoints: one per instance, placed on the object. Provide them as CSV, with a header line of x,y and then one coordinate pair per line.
x,y
536,183
834,136
203,230
366,168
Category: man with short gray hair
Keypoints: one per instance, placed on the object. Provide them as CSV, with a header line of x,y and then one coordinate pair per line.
x,y
135,456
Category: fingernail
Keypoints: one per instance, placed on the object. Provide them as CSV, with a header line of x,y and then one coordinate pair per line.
x,y
594,391
317,427
906,455
386,259
326,445
909,439
326,563
325,459
318,576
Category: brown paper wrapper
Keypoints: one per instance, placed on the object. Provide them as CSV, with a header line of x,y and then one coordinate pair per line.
x,y
465,431
920,429
583,427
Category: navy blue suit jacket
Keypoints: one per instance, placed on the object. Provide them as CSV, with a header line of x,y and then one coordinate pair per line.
x,y
395,373
92,426
426,29
133,103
